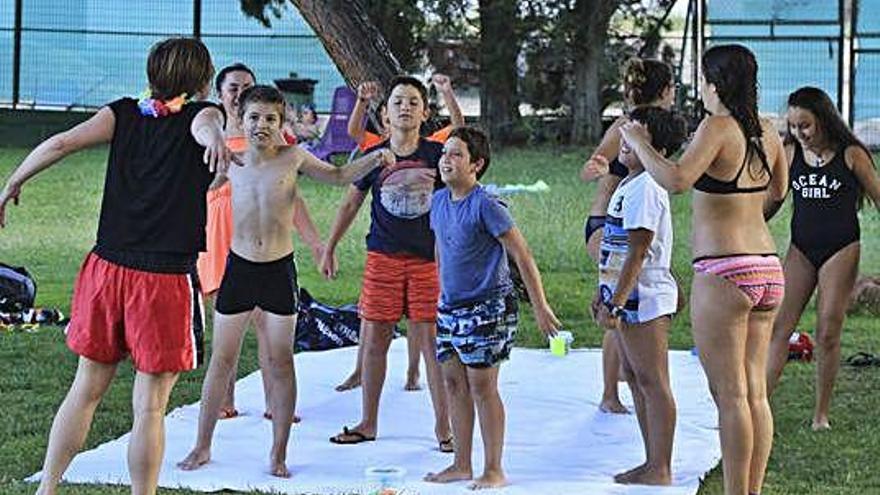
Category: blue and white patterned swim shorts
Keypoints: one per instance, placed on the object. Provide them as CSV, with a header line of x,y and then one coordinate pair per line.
x,y
480,333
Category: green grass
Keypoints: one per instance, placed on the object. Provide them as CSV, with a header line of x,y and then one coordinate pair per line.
x,y
54,227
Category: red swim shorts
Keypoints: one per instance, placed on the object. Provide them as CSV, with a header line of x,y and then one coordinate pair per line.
x,y
157,318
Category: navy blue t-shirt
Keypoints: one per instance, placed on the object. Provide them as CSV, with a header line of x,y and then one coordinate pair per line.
x,y
473,263
401,202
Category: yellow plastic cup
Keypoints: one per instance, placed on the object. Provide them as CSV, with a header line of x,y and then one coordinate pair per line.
x,y
560,344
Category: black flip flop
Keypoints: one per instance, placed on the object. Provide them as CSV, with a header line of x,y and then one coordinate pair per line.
x,y
447,446
358,437
863,359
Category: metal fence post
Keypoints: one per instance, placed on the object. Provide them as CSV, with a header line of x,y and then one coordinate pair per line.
x,y
197,19
852,6
16,54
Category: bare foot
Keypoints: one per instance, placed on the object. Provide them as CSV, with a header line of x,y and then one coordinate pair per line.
x,y
450,474
613,406
821,424
489,479
624,476
279,469
353,381
196,459
646,476
412,381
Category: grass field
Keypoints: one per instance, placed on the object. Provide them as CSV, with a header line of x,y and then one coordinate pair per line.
x,y
55,226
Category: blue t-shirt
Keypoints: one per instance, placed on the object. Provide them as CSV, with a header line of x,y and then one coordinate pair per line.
x,y
401,201
473,264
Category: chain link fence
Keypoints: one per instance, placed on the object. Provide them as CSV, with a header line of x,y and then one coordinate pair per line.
x,y
82,54
866,73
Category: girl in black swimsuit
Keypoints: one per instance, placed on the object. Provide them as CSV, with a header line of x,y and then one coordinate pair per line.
x,y
830,172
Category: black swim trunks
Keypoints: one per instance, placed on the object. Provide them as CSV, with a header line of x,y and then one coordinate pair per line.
x,y
270,286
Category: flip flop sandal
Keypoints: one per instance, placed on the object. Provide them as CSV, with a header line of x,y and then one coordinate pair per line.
x,y
447,446
356,437
296,419
863,359
227,413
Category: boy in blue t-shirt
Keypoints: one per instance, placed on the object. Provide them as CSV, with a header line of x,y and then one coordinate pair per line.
x,y
477,314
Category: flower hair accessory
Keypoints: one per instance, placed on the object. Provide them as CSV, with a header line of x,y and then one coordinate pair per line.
x,y
152,107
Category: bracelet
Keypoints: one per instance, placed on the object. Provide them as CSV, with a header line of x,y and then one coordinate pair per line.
x,y
614,310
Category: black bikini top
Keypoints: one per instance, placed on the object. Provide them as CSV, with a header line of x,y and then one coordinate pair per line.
x,y
708,184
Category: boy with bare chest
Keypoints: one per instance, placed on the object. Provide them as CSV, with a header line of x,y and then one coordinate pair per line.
x,y
260,271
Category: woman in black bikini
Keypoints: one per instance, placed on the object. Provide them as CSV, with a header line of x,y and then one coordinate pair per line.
x,y
734,162
831,171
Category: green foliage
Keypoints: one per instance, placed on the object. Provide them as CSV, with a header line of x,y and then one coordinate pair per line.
x,y
556,31
54,226
401,22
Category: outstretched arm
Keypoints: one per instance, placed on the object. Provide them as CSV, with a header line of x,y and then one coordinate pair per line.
x,y
346,174
346,214
207,130
444,88
515,244
597,165
98,129
678,177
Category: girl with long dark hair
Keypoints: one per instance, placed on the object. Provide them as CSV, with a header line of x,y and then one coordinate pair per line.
x,y
735,163
831,171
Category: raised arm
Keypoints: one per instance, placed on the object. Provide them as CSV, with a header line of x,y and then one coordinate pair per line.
x,y
678,177
597,165
444,88
346,214
515,244
863,168
346,174
207,130
98,129
357,123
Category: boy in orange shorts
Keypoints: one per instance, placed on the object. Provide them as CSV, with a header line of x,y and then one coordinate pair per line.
x,y
400,278
136,293
368,94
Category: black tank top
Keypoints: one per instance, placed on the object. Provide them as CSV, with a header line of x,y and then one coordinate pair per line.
x,y
825,201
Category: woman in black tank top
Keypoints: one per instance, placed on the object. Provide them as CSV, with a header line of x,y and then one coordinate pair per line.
x,y
831,170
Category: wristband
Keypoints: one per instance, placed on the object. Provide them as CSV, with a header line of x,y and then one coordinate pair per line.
x,y
614,310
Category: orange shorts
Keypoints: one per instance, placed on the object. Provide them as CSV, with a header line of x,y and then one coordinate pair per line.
x,y
157,318
218,238
399,284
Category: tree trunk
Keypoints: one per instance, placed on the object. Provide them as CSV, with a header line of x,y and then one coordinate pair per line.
x,y
589,48
352,41
499,47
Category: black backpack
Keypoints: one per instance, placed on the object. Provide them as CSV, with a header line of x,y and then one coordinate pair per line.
x,y
320,327
17,289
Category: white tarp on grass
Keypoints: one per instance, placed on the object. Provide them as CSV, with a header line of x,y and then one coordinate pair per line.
x,y
556,440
